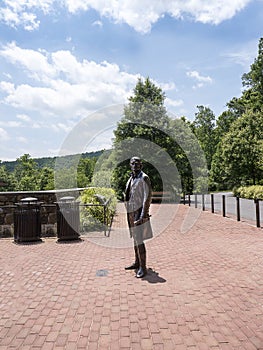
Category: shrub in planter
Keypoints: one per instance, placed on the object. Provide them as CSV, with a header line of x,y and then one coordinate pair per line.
x,y
92,217
249,192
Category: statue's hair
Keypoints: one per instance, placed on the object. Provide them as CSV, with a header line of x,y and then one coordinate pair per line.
x,y
136,158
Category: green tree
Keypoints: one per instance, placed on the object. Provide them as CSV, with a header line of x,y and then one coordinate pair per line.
x,y
252,96
189,157
26,174
204,129
241,167
173,153
102,172
219,177
254,78
249,100
145,118
147,92
46,179
85,171
65,177
223,124
239,156
7,179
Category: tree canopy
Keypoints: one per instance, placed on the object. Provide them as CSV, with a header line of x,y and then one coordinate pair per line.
x,y
239,156
147,131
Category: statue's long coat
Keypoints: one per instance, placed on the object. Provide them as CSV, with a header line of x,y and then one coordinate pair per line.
x,y
138,196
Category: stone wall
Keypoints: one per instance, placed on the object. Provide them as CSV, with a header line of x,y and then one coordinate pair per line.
x,y
47,201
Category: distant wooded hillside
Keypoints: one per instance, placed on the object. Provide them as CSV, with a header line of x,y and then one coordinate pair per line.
x,y
49,162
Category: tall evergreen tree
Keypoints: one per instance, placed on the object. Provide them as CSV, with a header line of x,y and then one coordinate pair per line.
x,y
254,78
173,155
145,118
252,96
204,129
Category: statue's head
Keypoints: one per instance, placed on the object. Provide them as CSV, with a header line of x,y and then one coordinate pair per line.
x,y
135,164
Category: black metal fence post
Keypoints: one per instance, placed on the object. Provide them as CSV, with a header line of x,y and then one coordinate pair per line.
x,y
257,212
238,208
212,203
203,202
224,205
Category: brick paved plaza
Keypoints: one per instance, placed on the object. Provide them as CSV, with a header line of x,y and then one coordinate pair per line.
x,y
204,288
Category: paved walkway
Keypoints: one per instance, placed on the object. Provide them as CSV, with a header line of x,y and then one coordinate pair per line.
x,y
204,288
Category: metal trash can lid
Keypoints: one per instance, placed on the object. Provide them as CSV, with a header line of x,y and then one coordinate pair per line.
x,y
67,199
29,200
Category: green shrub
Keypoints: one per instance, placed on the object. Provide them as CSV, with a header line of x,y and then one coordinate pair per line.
x,y
249,192
92,217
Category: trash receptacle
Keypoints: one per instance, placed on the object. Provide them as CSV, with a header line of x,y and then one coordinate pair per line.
x,y
27,222
68,219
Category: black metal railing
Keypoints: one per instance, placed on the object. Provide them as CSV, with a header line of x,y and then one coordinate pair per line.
x,y
228,205
107,212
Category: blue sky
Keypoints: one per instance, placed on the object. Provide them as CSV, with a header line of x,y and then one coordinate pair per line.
x,y
63,60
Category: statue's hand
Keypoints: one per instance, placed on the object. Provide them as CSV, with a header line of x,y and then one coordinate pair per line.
x,y
138,222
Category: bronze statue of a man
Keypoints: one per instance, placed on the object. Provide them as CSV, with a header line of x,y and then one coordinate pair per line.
x,y
138,196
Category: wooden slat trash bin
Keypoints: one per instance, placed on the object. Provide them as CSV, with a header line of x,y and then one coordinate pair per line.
x,y
27,221
68,219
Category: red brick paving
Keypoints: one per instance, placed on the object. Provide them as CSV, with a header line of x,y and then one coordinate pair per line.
x,y
204,289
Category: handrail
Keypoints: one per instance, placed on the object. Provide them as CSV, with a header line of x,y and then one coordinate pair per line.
x,y
105,205
224,206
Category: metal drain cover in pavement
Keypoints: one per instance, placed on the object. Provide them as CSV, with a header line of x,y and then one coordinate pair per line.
x,y
102,273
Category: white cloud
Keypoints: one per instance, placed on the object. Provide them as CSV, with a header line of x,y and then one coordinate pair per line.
x,y
23,117
167,86
201,80
36,125
30,21
173,103
61,127
133,12
77,5
22,139
7,87
213,12
20,13
62,85
4,135
11,124
244,55
97,24
8,75
35,62
23,13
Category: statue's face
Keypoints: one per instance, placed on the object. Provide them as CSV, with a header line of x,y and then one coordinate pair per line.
x,y
135,165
